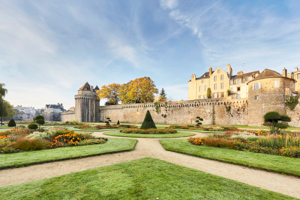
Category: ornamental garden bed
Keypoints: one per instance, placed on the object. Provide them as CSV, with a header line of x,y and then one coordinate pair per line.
x,y
287,144
20,139
141,135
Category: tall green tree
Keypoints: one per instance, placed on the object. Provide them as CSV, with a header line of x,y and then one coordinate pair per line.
x,y
3,92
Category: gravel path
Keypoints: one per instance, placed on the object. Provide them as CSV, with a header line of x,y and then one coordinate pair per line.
x,y
150,147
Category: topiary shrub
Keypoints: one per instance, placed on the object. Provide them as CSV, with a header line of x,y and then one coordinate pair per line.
x,y
208,93
40,120
148,122
32,126
12,123
118,123
276,121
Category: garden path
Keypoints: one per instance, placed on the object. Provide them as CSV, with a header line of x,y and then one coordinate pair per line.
x,y
150,147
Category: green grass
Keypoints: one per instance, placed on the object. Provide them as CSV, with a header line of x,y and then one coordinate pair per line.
x,y
279,164
145,178
32,157
174,135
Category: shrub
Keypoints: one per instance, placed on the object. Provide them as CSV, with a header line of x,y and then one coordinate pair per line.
x,y
26,144
196,140
276,121
118,122
148,122
208,93
12,123
10,150
32,126
70,138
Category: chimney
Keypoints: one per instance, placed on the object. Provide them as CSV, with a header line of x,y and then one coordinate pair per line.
x,y
91,87
210,71
229,70
284,72
193,77
296,69
292,75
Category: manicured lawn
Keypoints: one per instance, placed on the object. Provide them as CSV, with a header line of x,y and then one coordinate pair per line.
x,y
145,178
174,135
49,155
273,163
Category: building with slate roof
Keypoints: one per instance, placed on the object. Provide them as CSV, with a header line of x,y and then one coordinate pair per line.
x,y
219,83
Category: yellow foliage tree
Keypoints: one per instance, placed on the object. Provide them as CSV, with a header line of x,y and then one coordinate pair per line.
x,y
140,89
111,92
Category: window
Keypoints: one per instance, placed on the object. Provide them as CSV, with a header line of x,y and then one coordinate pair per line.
x,y
276,84
292,85
238,96
222,77
200,89
256,97
222,85
256,86
218,71
205,88
215,86
215,95
215,78
202,81
298,76
231,89
231,82
204,96
238,81
238,89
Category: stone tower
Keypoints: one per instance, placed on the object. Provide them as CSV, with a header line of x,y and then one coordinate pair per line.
x,y
267,92
87,104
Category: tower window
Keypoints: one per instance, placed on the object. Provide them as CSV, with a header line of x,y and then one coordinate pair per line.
x,y
276,84
256,97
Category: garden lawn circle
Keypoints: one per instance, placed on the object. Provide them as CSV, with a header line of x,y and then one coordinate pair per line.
x,y
136,135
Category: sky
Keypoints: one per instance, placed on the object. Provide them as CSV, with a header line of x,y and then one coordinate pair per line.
x,y
49,49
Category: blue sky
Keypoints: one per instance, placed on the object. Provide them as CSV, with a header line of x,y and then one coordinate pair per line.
x,y
49,49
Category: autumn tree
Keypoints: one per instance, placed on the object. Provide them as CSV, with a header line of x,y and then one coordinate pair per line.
x,y
111,92
140,89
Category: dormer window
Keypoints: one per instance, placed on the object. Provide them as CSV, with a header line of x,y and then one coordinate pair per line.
x,y
218,71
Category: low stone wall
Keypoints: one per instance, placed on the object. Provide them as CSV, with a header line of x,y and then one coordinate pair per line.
x,y
68,116
185,112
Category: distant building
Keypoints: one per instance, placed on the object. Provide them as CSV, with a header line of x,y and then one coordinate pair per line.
x,y
25,113
52,112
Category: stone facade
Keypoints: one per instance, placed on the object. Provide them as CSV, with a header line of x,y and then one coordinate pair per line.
x,y
266,92
185,112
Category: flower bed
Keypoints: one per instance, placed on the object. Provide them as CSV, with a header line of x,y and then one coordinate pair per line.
x,y
20,140
148,131
284,145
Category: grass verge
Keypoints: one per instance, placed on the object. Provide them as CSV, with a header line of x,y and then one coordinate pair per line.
x,y
145,178
49,155
267,162
174,135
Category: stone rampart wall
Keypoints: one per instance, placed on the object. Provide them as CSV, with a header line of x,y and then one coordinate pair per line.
x,y
68,116
185,112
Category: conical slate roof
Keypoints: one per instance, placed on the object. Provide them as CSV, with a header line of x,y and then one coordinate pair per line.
x,y
86,86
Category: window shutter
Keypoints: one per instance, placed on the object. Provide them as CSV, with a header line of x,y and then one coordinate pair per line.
x,y
259,85
252,86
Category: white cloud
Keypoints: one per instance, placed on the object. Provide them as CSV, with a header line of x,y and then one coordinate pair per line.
x,y
168,4
177,92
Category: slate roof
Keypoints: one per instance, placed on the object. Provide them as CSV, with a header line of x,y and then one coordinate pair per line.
x,y
268,73
246,74
205,75
86,86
